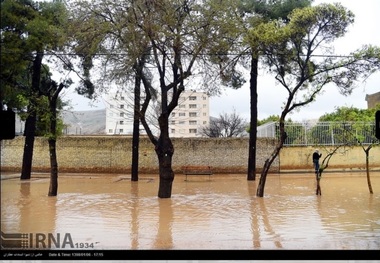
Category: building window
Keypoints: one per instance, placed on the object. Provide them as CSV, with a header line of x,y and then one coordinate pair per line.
x,y
173,130
111,106
173,114
193,98
204,122
121,122
182,114
193,122
204,97
181,122
173,122
110,130
204,106
192,114
182,106
122,97
121,130
192,130
205,114
121,114
192,106
121,106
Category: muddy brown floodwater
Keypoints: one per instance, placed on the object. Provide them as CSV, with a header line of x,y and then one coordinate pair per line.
x,y
111,212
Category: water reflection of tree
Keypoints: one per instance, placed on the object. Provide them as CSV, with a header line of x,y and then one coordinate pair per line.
x,y
37,215
164,239
135,215
325,164
259,211
340,216
24,189
24,205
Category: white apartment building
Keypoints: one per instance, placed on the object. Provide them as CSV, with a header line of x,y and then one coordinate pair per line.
x,y
191,114
119,114
187,119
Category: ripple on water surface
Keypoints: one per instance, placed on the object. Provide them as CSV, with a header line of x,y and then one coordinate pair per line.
x,y
221,213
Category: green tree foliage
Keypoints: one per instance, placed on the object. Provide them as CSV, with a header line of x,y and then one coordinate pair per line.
x,y
26,27
111,28
255,13
268,10
173,39
28,30
346,125
290,52
15,51
181,32
351,114
357,127
271,118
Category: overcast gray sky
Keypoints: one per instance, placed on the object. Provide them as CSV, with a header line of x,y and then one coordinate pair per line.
x,y
271,96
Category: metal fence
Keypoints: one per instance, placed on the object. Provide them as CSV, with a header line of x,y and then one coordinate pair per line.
x,y
321,133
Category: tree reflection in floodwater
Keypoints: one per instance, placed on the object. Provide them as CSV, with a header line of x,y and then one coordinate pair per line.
x,y
223,212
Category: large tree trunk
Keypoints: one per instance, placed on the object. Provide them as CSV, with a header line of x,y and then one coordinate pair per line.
x,y
136,129
29,133
53,187
253,123
165,150
269,161
264,173
30,124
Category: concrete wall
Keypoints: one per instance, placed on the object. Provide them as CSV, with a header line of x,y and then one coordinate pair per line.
x,y
112,154
345,159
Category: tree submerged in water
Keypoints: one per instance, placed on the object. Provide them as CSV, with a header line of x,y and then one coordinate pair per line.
x,y
323,167
299,53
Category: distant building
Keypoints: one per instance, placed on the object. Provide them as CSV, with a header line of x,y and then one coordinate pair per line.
x,y
187,119
372,100
119,114
191,114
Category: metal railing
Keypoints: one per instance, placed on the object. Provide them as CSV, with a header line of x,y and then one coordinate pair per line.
x,y
321,133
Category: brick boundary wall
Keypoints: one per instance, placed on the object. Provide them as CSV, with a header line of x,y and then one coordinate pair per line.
x,y
113,154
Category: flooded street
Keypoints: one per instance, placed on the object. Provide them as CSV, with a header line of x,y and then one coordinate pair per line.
x,y
223,212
